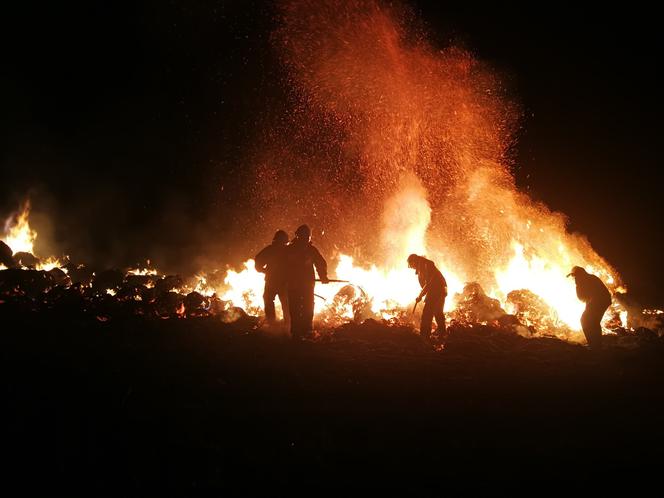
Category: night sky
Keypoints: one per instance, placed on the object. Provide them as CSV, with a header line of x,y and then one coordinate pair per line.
x,y
130,123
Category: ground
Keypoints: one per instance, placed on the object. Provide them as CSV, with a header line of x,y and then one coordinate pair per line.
x,y
138,405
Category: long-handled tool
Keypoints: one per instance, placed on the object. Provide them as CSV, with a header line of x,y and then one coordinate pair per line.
x,y
414,308
334,280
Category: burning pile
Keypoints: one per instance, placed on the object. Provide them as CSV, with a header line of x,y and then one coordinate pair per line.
x,y
29,284
411,145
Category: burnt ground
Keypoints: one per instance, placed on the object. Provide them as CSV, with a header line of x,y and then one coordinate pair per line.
x,y
135,406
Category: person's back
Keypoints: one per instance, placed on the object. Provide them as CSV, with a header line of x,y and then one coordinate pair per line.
x,y
434,287
429,275
302,257
272,261
590,289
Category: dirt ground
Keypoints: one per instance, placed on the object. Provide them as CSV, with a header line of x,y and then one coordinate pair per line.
x,y
133,406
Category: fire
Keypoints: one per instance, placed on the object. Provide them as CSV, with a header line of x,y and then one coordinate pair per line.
x,y
537,268
142,271
50,263
245,288
18,234
416,147
427,134
546,278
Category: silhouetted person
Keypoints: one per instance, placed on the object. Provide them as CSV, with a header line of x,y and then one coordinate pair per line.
x,y
592,291
272,261
434,289
302,257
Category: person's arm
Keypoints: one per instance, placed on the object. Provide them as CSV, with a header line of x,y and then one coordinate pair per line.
x,y
581,291
425,289
261,260
320,264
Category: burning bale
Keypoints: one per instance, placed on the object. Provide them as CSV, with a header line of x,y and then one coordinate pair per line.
x,y
59,277
534,312
26,259
140,280
6,257
349,303
196,304
474,306
170,305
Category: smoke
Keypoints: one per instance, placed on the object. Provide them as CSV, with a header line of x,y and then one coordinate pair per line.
x,y
389,135
406,217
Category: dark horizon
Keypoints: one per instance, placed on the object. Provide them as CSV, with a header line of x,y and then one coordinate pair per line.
x,y
131,125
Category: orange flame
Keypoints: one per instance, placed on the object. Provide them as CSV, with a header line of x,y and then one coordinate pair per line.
x,y
18,234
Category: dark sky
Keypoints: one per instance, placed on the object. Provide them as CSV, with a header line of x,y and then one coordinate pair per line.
x,y
125,120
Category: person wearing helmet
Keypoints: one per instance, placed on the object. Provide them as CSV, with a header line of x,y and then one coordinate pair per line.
x,y
272,261
302,258
434,288
592,291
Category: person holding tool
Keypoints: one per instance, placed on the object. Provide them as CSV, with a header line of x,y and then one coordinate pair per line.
x,y
301,259
434,289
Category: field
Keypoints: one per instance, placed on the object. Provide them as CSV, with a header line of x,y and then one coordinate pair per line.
x,y
137,405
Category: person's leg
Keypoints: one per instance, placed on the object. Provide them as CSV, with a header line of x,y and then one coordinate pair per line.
x,y
427,320
590,323
268,300
440,317
598,311
283,299
308,311
295,308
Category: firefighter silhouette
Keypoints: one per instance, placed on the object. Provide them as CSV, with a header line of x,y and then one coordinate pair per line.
x,y
272,261
592,291
302,257
434,292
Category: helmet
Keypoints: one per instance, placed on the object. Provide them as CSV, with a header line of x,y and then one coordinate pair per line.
x,y
576,271
280,237
303,232
412,260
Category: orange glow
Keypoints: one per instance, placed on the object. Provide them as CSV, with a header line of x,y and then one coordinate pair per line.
x,y
142,271
427,134
18,234
50,263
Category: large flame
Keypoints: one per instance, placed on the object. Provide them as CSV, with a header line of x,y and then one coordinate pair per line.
x,y
427,132
18,234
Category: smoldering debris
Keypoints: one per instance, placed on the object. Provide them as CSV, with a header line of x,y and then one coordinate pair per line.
x,y
478,322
